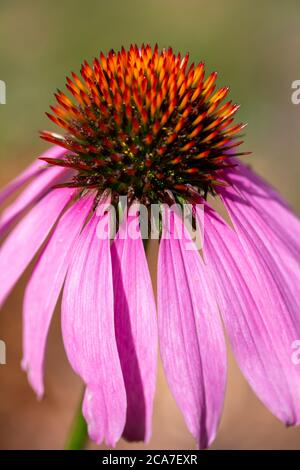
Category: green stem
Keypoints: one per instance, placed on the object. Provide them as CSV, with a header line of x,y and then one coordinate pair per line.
x,y
78,435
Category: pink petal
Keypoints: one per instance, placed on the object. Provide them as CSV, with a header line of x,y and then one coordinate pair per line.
x,y
277,234
20,247
32,170
191,336
44,288
261,313
276,213
274,222
136,329
89,334
41,184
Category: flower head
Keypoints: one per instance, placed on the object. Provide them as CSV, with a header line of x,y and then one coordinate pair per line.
x,y
142,122
144,125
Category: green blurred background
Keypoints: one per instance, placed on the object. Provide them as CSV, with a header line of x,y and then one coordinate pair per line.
x,y
254,45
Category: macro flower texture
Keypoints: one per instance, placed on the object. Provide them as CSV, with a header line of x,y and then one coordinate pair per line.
x,y
145,125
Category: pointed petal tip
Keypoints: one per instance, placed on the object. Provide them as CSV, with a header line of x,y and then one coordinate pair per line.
x,y
101,431
34,382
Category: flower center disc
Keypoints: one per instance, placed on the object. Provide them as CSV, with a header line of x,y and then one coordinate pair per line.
x,y
142,123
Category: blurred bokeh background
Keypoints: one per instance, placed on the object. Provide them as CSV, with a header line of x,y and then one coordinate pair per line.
x,y
254,45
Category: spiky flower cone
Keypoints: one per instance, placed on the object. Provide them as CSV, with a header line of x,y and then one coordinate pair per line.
x,y
141,123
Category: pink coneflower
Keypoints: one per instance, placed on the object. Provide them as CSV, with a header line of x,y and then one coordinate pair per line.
x,y
144,125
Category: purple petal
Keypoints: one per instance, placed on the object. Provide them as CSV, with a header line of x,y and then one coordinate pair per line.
x,y
274,235
260,310
136,329
44,288
273,222
273,209
20,247
89,334
191,336
31,194
32,170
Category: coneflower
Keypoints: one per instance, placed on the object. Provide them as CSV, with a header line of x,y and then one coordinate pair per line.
x,y
143,125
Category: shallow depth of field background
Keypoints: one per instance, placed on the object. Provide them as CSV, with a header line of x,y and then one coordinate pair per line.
x,y
254,45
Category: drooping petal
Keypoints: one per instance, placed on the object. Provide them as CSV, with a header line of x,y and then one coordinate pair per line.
x,y
41,184
136,327
273,236
191,336
273,223
278,216
44,287
271,208
23,243
260,311
89,334
32,170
